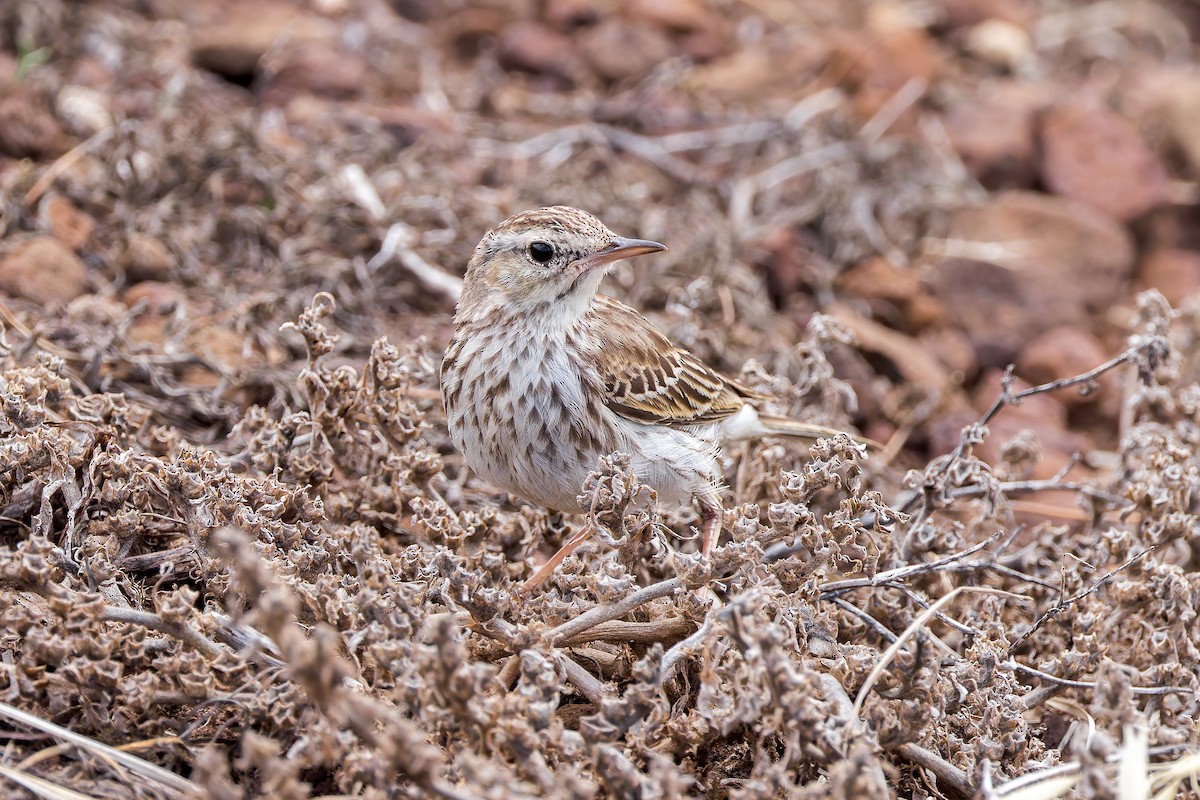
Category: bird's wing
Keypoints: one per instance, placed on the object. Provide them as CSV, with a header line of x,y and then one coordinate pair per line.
x,y
647,378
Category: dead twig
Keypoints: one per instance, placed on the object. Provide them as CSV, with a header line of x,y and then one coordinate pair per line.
x,y
570,629
948,775
917,624
182,631
588,684
1063,605
167,779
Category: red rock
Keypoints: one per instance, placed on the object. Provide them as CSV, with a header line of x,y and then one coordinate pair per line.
x,y
993,130
407,124
221,348
886,61
944,429
147,259
44,270
710,43
878,278
618,50
885,285
924,311
874,65
953,349
65,222
529,46
568,14
28,128
964,13
1174,272
416,10
757,74
1092,154
237,35
1042,415
1063,352
681,15
317,68
1165,100
157,298
1025,263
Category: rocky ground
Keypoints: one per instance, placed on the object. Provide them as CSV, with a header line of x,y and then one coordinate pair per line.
x,y
236,544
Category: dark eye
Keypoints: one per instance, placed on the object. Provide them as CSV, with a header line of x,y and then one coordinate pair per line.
x,y
541,252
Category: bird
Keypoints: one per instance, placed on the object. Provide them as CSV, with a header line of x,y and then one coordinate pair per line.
x,y
543,376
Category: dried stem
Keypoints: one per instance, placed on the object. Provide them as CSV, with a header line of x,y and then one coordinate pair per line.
x,y
571,629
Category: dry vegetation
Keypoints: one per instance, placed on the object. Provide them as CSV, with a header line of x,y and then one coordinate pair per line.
x,y
239,558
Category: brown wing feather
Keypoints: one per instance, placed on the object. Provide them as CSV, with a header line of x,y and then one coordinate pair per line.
x,y
648,378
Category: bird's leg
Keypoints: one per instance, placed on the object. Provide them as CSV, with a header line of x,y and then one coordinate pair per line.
x,y
712,515
547,569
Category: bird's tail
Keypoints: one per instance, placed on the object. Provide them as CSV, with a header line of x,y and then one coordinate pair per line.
x,y
785,426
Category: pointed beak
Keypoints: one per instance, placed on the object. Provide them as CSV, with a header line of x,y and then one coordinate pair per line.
x,y
622,248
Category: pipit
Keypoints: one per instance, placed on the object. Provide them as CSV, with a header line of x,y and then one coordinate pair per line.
x,y
544,376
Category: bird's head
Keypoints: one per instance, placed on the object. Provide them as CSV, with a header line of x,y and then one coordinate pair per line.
x,y
549,260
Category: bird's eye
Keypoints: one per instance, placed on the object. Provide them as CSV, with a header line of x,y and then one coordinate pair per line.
x,y
541,252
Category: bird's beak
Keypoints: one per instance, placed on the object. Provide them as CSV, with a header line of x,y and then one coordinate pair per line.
x,y
621,248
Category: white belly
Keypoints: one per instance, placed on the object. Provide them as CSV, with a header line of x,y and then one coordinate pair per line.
x,y
523,422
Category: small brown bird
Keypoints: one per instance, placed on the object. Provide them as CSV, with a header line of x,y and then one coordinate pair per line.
x,y
544,376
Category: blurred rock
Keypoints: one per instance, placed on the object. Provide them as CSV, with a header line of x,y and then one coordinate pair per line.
x,y
965,13
618,50
1042,415
416,10
1025,263
785,260
709,43
65,222
907,359
8,68
157,301
222,349
1063,352
877,278
233,36
924,311
84,110
680,15
317,68
953,349
756,74
44,270
147,259
407,124
1092,154
568,14
530,46
880,282
158,298
886,60
28,128
1165,101
993,131
944,429
1002,44
1174,272
874,65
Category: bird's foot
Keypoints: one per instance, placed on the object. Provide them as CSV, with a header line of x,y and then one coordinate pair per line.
x,y
547,569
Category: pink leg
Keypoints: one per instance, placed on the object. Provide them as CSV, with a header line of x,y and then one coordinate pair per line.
x,y
711,518
547,569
